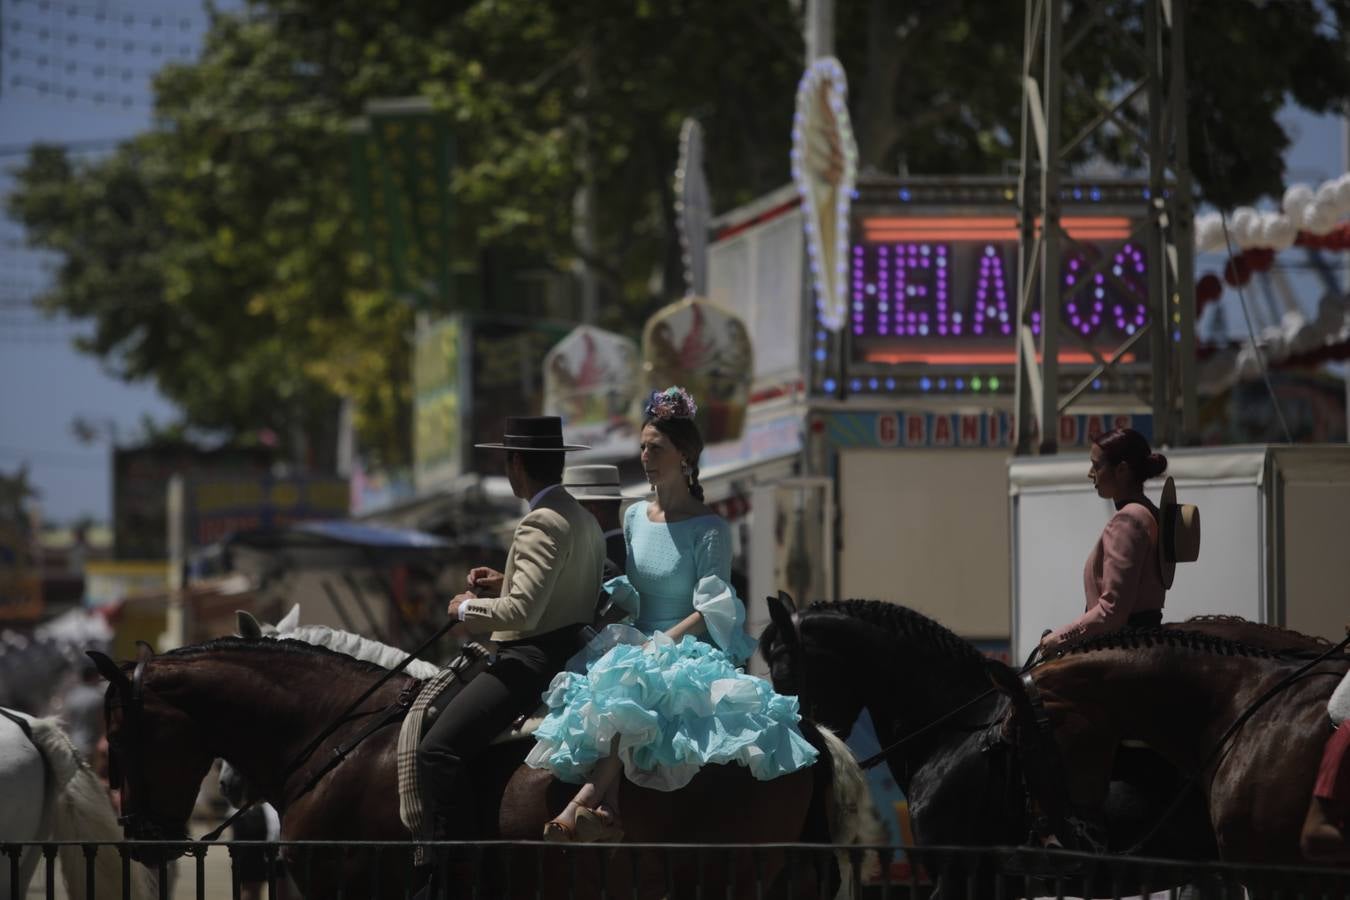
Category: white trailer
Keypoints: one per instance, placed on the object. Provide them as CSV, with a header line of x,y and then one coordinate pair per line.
x,y
1275,537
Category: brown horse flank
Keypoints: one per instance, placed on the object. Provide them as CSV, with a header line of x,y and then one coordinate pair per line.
x,y
1182,692
259,703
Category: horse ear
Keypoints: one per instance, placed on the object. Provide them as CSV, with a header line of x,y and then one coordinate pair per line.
x,y
248,625
108,669
782,618
786,599
290,621
144,652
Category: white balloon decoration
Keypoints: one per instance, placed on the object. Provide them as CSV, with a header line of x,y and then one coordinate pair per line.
x,y
1317,212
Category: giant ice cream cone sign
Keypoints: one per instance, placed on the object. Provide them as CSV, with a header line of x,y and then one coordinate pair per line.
x,y
704,348
693,209
825,169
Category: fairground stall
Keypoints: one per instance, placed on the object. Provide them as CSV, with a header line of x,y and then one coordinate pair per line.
x,y
899,425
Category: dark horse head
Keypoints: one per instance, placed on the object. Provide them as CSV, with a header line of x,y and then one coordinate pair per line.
x,y
949,739
929,697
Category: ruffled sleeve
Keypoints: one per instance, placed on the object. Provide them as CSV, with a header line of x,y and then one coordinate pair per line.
x,y
723,612
623,595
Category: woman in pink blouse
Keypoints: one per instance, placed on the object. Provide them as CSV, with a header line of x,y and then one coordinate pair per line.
x,y
1122,581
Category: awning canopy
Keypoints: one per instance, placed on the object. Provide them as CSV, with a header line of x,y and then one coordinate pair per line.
x,y
324,543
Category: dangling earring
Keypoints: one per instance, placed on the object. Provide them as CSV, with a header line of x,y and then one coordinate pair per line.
x,y
684,467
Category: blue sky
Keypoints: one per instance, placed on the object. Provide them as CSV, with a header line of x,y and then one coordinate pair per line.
x,y
92,93
46,383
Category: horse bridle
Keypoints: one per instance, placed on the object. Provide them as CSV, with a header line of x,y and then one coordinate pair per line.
x,y
129,770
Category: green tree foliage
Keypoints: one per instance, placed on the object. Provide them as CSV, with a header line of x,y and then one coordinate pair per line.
x,y
936,83
219,254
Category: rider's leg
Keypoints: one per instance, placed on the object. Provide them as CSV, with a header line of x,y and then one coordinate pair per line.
x,y
485,707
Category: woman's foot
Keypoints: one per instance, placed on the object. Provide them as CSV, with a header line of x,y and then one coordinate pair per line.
x,y
597,826
562,828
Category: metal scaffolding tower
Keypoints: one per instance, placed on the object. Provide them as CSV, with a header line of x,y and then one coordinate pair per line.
x,y
1166,229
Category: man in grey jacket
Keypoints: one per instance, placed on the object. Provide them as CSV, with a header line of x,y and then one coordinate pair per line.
x,y
536,611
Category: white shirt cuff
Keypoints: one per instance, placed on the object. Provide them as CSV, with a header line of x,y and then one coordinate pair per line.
x,y
464,609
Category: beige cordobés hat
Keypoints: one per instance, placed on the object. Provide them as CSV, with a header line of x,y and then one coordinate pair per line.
x,y
1179,533
592,482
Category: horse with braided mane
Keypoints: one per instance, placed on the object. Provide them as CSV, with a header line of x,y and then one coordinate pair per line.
x,y
1243,715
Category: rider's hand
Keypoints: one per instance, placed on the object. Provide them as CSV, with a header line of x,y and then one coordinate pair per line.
x,y
459,629
485,582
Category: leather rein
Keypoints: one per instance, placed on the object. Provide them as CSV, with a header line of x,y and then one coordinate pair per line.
x,y
145,827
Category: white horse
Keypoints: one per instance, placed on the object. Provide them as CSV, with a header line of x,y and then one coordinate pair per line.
x,y
50,794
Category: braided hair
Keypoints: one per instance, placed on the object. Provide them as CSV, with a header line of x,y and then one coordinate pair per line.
x,y
671,412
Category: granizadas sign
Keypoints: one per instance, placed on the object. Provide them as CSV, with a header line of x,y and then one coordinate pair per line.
x,y
992,428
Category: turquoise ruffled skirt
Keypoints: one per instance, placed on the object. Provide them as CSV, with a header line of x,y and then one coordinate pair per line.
x,y
675,707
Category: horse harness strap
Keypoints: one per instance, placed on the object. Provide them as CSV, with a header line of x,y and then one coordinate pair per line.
x,y
1040,715
390,714
880,756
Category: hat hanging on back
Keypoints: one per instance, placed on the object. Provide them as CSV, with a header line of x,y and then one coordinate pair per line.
x,y
592,482
533,433
1178,534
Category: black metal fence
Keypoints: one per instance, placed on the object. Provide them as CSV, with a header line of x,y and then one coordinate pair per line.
x,y
350,870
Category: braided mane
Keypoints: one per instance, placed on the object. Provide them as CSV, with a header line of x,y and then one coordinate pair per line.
x,y
901,622
1259,633
1137,638
285,646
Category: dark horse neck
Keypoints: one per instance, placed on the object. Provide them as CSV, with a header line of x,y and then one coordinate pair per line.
x,y
924,707
911,671
260,703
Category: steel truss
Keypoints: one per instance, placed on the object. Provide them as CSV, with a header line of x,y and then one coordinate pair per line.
x,y
1166,229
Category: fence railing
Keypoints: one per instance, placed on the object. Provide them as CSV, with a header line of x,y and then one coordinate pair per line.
x,y
349,870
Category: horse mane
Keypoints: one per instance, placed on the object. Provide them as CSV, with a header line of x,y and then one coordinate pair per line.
x,y
1258,634
901,621
362,648
279,645
1136,638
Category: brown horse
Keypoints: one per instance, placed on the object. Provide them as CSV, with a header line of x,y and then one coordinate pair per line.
x,y
260,704
1183,692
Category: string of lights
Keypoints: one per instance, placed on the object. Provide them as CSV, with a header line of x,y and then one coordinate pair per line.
x,y
45,88
172,16
50,35
71,65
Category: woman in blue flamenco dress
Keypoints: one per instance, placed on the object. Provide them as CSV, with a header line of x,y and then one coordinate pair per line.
x,y
661,697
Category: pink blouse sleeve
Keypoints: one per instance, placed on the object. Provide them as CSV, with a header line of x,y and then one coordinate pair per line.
x,y
1125,552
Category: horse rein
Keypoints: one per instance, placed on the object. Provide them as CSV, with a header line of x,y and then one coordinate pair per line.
x,y
877,758
342,751
141,825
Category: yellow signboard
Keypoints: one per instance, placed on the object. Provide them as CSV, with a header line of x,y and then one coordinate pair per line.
x,y
20,579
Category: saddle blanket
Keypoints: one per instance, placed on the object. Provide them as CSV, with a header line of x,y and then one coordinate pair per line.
x,y
434,695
